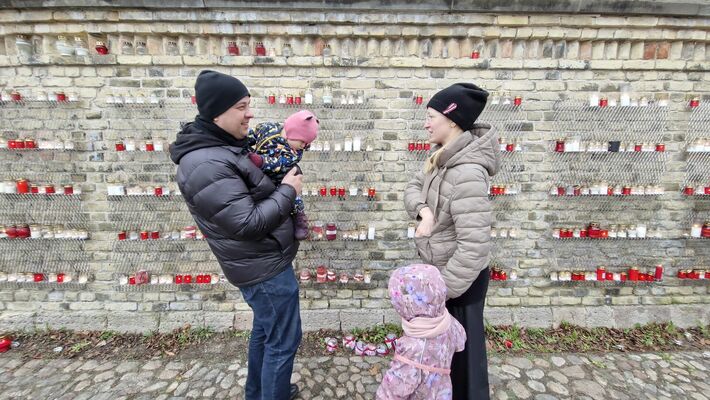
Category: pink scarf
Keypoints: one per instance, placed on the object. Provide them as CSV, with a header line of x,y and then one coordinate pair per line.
x,y
422,327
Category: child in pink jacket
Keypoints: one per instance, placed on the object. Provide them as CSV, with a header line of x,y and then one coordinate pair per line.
x,y
420,367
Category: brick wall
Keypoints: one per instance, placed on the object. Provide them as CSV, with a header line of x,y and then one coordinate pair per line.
x,y
553,61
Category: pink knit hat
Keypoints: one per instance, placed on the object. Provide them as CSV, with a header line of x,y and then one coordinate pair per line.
x,y
302,125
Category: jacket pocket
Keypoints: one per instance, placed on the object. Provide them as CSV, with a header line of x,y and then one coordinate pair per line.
x,y
424,248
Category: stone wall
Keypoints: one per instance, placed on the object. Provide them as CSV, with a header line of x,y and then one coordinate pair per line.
x,y
554,62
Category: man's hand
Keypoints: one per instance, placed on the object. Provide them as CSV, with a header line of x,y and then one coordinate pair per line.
x,y
426,224
294,180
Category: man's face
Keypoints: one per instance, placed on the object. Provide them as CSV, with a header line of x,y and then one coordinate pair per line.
x,y
236,119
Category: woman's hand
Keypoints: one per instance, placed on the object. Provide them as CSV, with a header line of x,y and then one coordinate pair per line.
x,y
426,224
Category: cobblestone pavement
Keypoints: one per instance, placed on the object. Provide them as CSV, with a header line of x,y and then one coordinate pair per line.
x,y
540,377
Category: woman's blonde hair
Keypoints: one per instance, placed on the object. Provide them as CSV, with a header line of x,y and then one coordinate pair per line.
x,y
431,163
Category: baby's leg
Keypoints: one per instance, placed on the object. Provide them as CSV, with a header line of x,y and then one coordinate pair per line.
x,y
300,219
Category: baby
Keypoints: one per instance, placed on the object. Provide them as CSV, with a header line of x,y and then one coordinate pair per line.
x,y
277,148
421,365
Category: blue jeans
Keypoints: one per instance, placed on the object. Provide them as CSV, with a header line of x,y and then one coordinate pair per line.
x,y
275,336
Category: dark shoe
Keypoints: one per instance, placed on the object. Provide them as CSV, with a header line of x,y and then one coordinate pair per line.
x,y
293,391
301,228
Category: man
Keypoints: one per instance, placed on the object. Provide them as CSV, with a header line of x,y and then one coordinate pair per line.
x,y
247,222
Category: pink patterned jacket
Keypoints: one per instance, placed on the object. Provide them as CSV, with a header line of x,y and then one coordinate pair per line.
x,y
420,367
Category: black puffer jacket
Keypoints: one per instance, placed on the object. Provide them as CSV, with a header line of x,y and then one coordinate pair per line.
x,y
245,218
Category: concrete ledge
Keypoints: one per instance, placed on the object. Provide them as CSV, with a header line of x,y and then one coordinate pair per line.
x,y
665,8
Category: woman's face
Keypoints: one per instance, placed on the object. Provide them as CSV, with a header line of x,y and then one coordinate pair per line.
x,y
439,127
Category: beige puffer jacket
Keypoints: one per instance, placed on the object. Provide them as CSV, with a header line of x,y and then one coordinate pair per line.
x,y
457,194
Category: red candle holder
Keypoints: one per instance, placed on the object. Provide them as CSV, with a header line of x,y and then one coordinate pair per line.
x,y
509,147
638,147
419,146
603,102
61,96
297,100
583,233
518,100
289,99
418,99
49,189
323,191
271,99
200,279
688,190
333,191
694,102
22,186
609,276
101,48
560,146
427,146
60,278
193,99
16,96
707,190
120,146
187,278
260,50
38,277
331,231
11,231
660,147
122,235
321,274
682,274
411,146
475,55
600,273
12,144
149,146
131,280
158,191
232,49
155,235
371,193
626,190
68,190
30,144
34,189
144,235
658,275
341,192
178,279
208,278
633,274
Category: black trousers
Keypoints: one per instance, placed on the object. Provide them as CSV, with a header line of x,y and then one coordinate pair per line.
x,y
469,368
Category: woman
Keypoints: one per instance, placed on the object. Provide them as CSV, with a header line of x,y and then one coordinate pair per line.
x,y
449,199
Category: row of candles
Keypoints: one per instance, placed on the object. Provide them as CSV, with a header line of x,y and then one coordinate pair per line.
x,y
700,190
133,145
498,274
323,274
36,231
594,231
349,98
339,192
504,190
633,274
58,96
699,145
625,100
185,233
32,144
604,189
329,231
23,186
146,278
575,145
40,277
136,190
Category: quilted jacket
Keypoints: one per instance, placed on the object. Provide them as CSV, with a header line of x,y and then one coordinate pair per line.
x,y
457,193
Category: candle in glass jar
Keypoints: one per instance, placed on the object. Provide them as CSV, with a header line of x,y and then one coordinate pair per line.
x,y
331,231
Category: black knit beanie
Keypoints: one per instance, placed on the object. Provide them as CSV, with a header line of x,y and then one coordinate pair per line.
x,y
461,102
215,92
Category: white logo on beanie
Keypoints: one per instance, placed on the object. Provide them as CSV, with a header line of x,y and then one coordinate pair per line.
x,y
450,108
